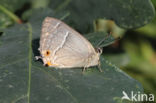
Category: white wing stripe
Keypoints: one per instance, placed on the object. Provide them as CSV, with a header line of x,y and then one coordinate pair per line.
x,y
61,45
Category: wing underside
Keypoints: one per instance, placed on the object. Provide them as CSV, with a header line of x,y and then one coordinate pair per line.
x,y
67,47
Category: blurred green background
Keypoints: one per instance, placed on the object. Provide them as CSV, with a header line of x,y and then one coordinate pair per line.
x,y
134,53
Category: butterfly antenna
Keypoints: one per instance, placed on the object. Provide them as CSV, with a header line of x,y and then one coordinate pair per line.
x,y
98,45
65,16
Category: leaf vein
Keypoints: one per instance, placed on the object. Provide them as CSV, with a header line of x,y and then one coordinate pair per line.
x,y
68,92
14,62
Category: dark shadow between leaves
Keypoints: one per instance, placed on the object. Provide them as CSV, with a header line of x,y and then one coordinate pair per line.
x,y
35,46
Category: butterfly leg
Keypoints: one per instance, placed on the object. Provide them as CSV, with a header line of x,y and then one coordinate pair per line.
x,y
99,66
86,66
84,69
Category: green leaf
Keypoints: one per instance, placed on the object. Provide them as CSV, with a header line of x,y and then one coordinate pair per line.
x,y
149,29
39,3
24,80
100,39
4,21
9,6
14,3
119,59
127,14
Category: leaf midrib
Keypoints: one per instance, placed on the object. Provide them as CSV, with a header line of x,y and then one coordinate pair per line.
x,y
14,62
30,60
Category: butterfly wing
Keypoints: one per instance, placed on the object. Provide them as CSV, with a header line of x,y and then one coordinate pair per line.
x,y
67,47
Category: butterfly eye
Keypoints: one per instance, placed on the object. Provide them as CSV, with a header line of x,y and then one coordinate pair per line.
x,y
47,53
99,50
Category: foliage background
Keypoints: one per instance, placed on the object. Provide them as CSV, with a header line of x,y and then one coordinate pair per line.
x,y
135,53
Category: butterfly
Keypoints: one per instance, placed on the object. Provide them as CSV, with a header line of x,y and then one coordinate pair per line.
x,y
63,47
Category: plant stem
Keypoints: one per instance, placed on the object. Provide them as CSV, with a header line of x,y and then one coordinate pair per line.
x,y
11,15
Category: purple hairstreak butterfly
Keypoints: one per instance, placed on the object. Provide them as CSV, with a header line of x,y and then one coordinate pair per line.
x,y
63,47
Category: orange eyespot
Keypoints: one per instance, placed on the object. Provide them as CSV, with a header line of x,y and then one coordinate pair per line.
x,y
48,63
47,53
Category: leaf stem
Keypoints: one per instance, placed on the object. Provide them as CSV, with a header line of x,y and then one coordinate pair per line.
x,y
11,14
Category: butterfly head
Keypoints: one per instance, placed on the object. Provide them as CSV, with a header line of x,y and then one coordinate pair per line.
x,y
98,51
95,58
